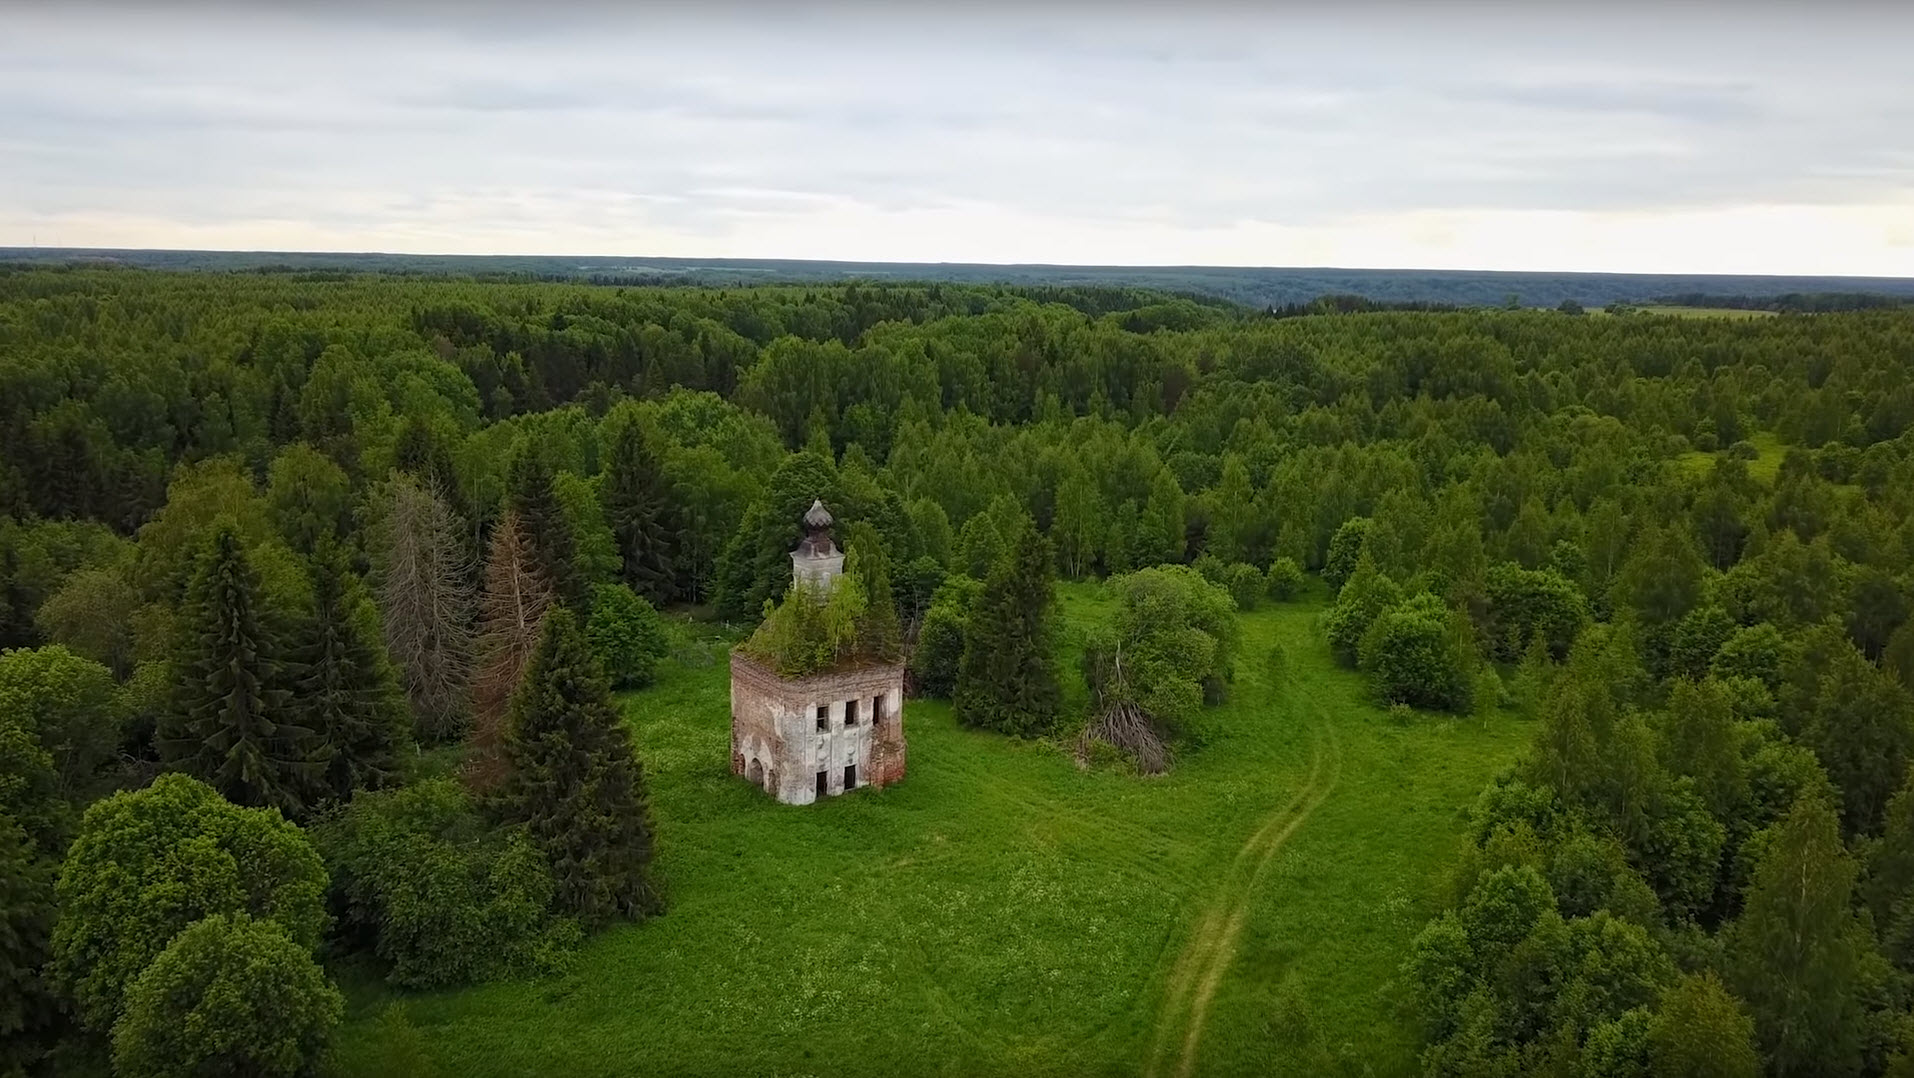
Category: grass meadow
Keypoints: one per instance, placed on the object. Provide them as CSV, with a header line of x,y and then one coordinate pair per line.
x,y
1764,468
1003,910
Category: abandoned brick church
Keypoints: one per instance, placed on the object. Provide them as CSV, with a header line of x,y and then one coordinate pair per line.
x,y
806,738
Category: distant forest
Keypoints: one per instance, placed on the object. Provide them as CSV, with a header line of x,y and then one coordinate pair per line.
x,y
1250,286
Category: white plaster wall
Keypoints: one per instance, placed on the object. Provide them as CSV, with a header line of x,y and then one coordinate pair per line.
x,y
829,750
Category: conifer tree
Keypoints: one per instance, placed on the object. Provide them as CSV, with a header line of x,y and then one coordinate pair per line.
x,y
423,573
232,723
1007,680
547,531
517,596
575,783
639,515
343,686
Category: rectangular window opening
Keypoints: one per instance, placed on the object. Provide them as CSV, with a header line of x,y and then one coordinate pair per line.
x,y
850,776
850,713
824,716
877,709
824,784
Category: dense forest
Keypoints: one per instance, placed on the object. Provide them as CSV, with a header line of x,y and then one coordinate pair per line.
x,y
317,587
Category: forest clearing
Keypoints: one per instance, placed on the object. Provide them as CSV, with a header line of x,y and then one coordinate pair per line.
x,y
1003,910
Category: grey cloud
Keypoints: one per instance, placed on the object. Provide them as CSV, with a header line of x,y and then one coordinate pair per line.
x,y
359,117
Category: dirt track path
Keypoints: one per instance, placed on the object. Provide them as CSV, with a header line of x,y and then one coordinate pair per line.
x,y
1211,946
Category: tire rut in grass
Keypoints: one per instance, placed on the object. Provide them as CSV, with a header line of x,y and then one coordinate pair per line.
x,y
1211,947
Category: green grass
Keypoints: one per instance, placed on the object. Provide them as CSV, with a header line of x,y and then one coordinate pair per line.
x,y
1002,910
1763,468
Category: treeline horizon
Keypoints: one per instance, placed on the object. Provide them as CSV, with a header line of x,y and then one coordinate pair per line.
x,y
1252,287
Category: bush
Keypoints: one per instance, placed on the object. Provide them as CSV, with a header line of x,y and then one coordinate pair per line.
x,y
812,630
229,995
627,634
1418,655
1212,568
443,897
1245,585
1367,594
150,862
1285,579
940,640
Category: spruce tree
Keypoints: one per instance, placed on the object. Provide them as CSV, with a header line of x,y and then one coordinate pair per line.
x,y
1007,679
232,724
547,530
639,515
575,783
343,685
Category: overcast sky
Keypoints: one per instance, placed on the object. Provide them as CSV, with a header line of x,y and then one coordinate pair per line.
x,y
1705,140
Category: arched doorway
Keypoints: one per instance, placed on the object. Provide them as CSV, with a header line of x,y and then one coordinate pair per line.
x,y
755,773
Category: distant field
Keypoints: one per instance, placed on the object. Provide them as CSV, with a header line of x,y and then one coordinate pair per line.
x,y
1002,911
1708,312
1764,467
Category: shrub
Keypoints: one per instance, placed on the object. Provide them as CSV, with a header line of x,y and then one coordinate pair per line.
x,y
1245,585
1211,568
1285,579
812,630
627,634
443,897
1418,655
229,995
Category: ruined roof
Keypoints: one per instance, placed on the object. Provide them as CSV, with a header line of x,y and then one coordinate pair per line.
x,y
817,533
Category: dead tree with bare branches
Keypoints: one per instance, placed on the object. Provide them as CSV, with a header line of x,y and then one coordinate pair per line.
x,y
1117,719
511,612
424,584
